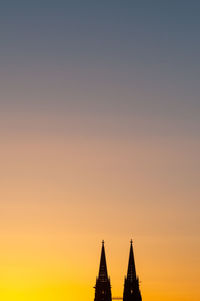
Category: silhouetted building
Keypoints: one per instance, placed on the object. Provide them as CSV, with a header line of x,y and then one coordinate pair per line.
x,y
103,288
131,283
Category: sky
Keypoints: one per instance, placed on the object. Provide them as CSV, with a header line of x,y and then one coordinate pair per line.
x,y
99,127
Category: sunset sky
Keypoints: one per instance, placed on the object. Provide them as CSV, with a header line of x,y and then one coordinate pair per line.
x,y
100,128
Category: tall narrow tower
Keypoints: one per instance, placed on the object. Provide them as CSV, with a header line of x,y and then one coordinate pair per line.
x,y
131,283
102,287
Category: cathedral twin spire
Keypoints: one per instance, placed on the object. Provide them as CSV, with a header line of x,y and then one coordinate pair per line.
x,y
131,283
103,287
131,273
103,274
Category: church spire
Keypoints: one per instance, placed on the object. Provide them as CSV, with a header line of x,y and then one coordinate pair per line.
x,y
102,287
131,273
131,283
103,274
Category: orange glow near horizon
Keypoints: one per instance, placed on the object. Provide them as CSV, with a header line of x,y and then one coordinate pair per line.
x,y
62,197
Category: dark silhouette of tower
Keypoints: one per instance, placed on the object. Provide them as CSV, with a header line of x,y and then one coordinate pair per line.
x,y
131,283
102,287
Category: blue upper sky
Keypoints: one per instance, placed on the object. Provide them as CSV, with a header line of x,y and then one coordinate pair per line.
x,y
114,57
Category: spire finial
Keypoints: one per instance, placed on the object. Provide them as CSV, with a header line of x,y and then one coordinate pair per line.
x,y
131,241
102,242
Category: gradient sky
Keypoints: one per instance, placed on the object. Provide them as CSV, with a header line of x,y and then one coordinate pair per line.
x,y
99,127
